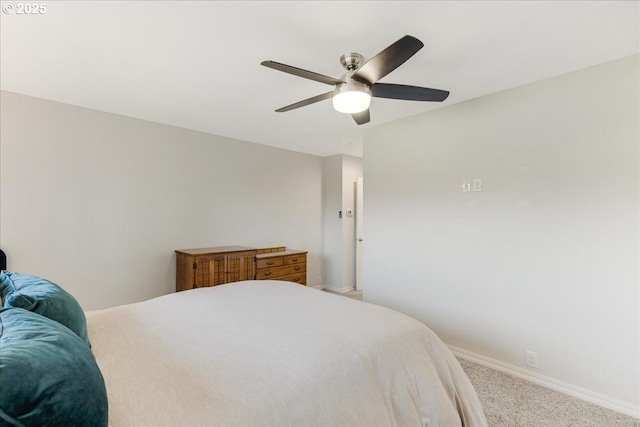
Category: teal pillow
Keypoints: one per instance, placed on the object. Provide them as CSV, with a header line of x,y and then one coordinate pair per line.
x,y
48,375
43,297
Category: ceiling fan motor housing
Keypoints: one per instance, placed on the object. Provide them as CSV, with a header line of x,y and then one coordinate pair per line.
x,y
351,61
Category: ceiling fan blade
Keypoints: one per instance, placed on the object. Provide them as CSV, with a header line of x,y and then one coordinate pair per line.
x,y
305,102
388,60
361,117
410,93
301,73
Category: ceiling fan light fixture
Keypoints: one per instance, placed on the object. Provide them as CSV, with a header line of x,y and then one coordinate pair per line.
x,y
351,97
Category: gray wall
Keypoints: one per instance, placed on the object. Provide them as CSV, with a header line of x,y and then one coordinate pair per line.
x,y
545,258
339,175
99,202
332,225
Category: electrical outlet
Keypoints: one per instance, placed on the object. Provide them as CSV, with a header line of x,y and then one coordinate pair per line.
x,y
532,359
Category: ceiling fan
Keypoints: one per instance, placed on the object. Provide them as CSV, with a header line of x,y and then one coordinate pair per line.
x,y
352,92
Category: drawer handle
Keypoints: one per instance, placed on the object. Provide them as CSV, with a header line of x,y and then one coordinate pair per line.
x,y
268,273
294,260
270,263
297,268
297,279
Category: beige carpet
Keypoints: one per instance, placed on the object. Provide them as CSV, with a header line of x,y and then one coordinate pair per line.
x,y
513,402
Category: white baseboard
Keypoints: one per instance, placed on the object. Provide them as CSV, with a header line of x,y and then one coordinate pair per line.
x,y
339,290
566,388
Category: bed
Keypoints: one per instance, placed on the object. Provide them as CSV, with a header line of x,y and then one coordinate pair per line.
x,y
273,353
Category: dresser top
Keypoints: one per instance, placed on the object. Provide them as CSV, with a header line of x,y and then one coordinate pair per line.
x,y
280,253
201,251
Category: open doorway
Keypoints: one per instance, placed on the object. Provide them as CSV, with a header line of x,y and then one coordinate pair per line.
x,y
359,214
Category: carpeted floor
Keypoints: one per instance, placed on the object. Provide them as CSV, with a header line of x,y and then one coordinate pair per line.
x,y
513,402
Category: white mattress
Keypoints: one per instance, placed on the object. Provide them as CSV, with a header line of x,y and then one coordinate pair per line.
x,y
270,353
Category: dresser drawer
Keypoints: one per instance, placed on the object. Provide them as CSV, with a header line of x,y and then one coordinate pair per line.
x,y
269,262
276,272
300,278
297,268
295,259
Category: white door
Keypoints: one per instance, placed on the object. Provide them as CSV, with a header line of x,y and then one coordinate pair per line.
x,y
359,236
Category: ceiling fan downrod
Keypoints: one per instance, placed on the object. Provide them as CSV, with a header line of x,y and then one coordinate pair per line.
x,y
351,61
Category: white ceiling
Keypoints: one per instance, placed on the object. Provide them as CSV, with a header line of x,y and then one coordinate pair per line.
x,y
197,64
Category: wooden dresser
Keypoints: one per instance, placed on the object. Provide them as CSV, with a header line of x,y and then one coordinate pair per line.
x,y
282,264
199,268
204,267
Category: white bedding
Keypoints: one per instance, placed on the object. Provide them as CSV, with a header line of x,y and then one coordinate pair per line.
x,y
270,353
